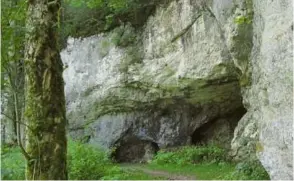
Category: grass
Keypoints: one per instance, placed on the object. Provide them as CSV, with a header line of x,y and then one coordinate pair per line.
x,y
12,164
206,171
84,163
132,175
207,163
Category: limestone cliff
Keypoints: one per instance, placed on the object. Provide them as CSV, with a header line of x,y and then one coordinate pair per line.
x,y
197,71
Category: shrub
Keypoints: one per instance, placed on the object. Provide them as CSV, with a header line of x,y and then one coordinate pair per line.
x,y
248,170
84,18
190,155
123,35
86,162
12,164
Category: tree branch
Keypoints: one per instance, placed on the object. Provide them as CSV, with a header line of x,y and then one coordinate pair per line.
x,y
4,114
185,30
18,129
22,123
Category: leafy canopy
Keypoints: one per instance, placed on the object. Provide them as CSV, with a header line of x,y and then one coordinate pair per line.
x,y
13,34
112,13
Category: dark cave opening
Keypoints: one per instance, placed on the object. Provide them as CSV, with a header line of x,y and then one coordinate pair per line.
x,y
134,150
219,130
199,135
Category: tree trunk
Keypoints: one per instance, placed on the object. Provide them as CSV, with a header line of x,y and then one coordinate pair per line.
x,y
45,102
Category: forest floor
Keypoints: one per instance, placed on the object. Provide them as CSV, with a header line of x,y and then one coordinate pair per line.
x,y
208,171
83,165
157,173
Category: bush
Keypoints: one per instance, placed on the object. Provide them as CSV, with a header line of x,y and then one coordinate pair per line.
x,y
12,164
190,155
86,162
85,18
123,35
248,170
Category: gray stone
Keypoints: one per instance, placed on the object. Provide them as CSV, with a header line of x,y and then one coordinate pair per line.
x,y
271,95
194,62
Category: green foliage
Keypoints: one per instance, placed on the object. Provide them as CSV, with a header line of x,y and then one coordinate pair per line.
x,y
114,6
248,17
85,162
103,15
12,164
109,19
79,21
208,162
243,20
13,29
203,171
190,155
13,34
117,173
248,170
123,35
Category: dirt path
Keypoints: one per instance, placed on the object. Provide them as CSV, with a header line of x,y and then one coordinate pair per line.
x,y
157,173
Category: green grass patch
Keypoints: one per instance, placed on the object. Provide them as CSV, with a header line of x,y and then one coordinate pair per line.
x,y
207,163
130,175
12,164
190,155
85,162
208,171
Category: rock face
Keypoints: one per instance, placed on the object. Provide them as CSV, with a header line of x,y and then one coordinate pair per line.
x,y
186,79
132,149
270,97
180,82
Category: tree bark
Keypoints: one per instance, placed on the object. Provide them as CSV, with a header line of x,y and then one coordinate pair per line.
x,y
45,102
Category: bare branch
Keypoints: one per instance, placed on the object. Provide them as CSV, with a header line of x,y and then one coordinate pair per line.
x,y
4,114
185,30
18,128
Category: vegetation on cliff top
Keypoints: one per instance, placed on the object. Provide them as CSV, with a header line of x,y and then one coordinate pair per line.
x,y
85,18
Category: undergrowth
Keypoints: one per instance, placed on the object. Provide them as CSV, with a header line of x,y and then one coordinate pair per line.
x,y
190,155
248,170
85,162
12,164
208,159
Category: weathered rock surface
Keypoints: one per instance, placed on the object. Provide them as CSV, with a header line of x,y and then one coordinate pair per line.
x,y
194,63
181,81
269,119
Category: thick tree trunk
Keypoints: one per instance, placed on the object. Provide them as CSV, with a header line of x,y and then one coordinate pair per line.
x,y
45,102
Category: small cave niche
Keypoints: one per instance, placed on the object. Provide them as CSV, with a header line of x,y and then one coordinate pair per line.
x,y
199,136
134,150
219,130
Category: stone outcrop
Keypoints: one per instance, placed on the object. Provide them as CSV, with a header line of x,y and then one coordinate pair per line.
x,y
162,95
269,119
190,70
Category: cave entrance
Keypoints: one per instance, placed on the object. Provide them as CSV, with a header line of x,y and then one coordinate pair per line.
x,y
134,150
199,136
220,130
